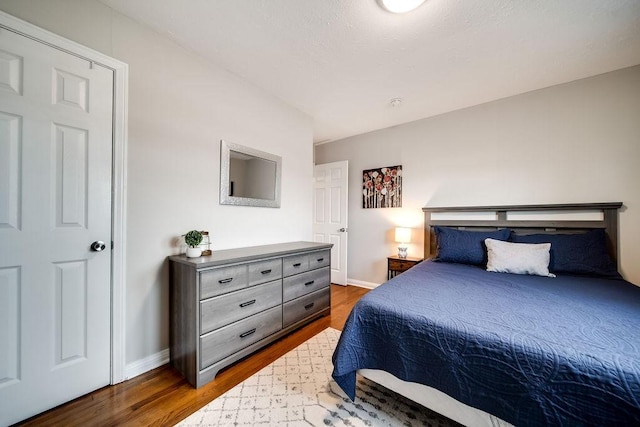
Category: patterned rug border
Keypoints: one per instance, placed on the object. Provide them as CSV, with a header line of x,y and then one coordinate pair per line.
x,y
297,390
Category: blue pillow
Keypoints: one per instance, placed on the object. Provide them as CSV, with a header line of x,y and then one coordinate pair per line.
x,y
584,253
464,246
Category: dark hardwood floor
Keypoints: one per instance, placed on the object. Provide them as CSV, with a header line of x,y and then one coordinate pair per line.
x,y
162,397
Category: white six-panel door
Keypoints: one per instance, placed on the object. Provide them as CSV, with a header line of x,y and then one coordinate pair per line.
x,y
55,201
330,198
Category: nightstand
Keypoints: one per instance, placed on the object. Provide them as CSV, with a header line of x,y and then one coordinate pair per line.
x,y
397,265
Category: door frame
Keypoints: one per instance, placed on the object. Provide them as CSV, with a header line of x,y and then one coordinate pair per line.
x,y
118,177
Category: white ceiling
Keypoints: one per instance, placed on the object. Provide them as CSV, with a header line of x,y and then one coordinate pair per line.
x,y
342,61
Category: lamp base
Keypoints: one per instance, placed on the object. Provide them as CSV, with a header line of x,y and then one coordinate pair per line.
x,y
402,251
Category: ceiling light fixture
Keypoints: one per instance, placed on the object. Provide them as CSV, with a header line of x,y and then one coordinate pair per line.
x,y
400,6
396,102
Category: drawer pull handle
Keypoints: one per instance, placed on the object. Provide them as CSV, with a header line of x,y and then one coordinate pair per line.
x,y
223,281
309,283
248,303
246,334
320,259
298,264
308,306
266,271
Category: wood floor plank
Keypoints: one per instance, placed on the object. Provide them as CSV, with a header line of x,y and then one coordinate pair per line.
x,y
162,397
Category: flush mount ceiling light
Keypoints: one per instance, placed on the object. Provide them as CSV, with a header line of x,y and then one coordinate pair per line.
x,y
400,6
396,102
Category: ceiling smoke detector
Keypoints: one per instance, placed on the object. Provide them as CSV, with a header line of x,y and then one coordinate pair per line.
x,y
396,102
400,6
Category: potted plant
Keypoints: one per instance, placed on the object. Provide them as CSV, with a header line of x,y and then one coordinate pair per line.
x,y
193,239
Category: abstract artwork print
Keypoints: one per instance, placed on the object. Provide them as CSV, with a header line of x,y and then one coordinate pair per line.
x,y
382,187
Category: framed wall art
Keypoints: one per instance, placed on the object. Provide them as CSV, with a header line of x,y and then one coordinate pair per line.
x,y
382,187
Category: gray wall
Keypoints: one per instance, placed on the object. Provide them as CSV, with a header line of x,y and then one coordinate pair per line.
x,y
237,169
576,142
261,174
180,107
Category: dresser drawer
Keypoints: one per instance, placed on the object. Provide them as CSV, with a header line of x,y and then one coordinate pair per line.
x,y
319,259
225,341
298,309
225,309
295,264
265,271
222,280
301,284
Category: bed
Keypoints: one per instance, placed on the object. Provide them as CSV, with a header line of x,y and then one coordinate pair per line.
x,y
496,348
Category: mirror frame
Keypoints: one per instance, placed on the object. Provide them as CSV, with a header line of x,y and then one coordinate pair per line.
x,y
225,158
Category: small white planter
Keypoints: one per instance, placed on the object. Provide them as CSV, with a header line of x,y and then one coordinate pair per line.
x,y
193,252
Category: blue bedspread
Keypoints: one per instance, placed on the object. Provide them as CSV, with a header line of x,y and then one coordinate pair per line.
x,y
531,350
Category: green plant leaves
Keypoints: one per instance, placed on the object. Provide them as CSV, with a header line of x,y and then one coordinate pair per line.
x,y
193,238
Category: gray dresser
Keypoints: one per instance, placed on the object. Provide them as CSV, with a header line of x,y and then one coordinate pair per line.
x,y
230,304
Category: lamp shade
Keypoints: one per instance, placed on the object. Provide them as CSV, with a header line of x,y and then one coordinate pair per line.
x,y
403,234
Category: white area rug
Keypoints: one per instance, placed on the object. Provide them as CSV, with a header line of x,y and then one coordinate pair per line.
x,y
297,390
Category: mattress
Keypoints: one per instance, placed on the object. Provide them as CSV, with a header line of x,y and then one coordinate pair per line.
x,y
530,350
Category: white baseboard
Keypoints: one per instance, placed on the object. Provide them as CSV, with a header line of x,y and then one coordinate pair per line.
x,y
362,283
146,364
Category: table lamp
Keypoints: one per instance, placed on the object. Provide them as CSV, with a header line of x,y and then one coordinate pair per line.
x,y
403,236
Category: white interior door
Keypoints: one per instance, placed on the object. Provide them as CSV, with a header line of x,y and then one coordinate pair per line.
x,y
55,201
330,198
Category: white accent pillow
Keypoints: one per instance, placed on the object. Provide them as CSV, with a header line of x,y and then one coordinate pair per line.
x,y
518,258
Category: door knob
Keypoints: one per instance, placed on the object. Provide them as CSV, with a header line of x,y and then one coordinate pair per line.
x,y
342,230
98,246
